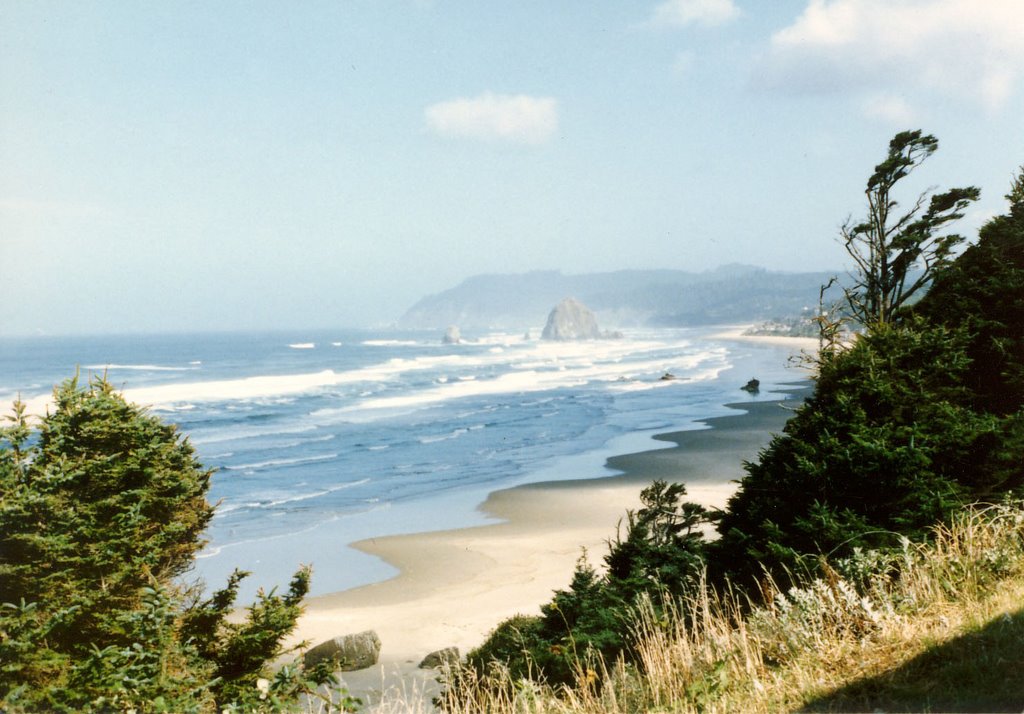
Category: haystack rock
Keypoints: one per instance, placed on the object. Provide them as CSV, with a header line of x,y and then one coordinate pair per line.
x,y
571,320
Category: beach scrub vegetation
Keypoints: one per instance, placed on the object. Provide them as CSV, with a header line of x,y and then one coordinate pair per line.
x,y
930,626
102,507
660,556
918,417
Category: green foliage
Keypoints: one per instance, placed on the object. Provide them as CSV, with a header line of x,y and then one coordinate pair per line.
x,y
661,556
514,643
983,291
101,509
663,552
914,420
887,444
888,248
106,499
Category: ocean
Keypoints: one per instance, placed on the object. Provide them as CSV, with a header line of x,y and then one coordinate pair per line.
x,y
321,439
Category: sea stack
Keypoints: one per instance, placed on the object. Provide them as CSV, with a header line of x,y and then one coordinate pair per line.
x,y
571,320
452,336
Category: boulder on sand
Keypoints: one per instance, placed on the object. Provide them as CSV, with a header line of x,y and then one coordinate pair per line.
x,y
353,652
447,656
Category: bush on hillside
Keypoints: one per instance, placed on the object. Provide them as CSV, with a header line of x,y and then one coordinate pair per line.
x,y
906,426
660,558
888,444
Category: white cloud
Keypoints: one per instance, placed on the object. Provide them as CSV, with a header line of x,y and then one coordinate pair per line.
x,y
517,118
889,109
681,13
960,48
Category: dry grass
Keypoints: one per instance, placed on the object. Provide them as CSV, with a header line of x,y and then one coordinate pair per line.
x,y
933,626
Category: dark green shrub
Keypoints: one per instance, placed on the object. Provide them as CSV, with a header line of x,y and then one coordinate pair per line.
x,y
101,509
660,556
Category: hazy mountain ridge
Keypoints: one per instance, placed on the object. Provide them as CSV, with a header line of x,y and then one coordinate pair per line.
x,y
733,293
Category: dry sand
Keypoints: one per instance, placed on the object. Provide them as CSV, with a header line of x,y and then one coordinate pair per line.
x,y
455,586
799,344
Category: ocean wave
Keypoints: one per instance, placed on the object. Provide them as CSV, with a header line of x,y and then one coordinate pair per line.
x,y
303,345
700,365
389,343
443,437
281,462
535,362
304,442
292,498
139,367
212,551
184,407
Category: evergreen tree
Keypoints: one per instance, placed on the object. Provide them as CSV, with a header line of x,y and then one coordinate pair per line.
x,y
983,291
888,445
912,421
101,510
108,500
888,248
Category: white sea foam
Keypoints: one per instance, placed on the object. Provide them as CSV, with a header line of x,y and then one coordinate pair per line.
x,y
390,343
303,345
576,366
272,502
238,432
443,437
137,367
577,362
281,462
315,494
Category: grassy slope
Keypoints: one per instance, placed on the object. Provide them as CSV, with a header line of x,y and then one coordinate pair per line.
x,y
944,634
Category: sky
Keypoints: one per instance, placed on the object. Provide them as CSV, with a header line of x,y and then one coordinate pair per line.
x,y
177,166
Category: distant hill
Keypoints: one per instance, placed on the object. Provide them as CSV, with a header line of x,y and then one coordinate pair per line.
x,y
626,298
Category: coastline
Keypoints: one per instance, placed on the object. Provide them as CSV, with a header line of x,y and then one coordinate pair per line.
x,y
455,586
800,344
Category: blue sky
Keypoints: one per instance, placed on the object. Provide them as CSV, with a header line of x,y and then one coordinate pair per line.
x,y
167,166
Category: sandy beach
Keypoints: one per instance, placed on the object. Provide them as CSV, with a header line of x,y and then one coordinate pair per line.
x,y
455,586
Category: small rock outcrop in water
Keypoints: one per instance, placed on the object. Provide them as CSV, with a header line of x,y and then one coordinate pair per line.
x,y
353,652
440,658
572,320
753,386
452,336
